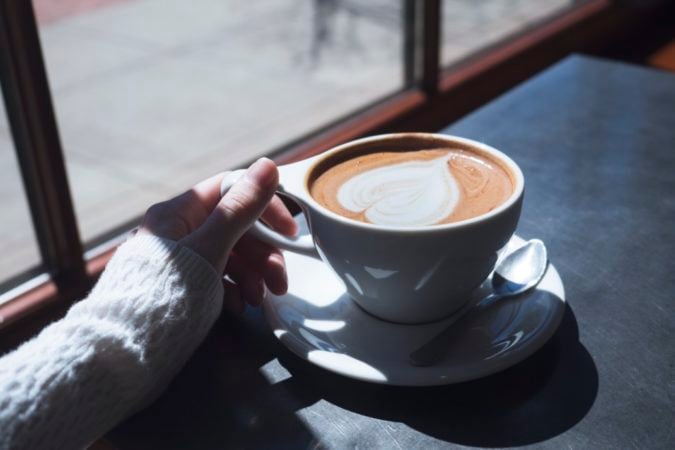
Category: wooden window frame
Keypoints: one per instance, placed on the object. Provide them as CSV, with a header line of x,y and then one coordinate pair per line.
x,y
434,97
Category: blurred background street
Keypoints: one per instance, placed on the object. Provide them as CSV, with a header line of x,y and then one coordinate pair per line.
x,y
154,95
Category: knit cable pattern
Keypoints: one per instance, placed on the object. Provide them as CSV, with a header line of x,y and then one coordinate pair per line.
x,y
114,352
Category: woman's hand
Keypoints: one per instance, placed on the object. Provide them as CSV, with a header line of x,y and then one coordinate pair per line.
x,y
215,227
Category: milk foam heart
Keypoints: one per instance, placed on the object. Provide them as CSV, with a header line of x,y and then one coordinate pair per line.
x,y
412,193
412,188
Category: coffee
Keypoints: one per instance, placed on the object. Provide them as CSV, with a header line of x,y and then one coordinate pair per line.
x,y
413,188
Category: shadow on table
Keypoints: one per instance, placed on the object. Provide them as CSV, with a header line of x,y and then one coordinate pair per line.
x,y
533,401
221,399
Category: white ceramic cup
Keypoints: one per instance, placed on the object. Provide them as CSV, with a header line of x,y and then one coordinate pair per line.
x,y
405,275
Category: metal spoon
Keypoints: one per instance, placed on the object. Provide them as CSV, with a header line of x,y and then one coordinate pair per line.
x,y
518,272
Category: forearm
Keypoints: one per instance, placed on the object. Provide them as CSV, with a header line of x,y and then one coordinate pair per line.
x,y
113,352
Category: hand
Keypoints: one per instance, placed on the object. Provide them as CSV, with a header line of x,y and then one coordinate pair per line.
x,y
215,227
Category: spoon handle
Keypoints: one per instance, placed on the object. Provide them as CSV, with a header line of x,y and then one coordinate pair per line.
x,y
432,351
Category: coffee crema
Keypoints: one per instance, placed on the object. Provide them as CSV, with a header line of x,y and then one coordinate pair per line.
x,y
413,188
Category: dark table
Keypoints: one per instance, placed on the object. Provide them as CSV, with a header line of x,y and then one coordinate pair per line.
x,y
596,141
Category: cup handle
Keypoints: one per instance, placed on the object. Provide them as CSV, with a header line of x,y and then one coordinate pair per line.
x,y
303,245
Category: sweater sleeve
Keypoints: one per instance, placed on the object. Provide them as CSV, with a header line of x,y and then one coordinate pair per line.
x,y
114,352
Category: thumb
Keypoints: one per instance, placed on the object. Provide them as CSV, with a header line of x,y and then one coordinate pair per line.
x,y
234,214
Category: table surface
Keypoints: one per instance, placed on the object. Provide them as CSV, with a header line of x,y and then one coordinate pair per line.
x,y
596,142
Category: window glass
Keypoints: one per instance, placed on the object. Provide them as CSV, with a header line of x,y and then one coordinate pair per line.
x,y
17,237
469,26
154,95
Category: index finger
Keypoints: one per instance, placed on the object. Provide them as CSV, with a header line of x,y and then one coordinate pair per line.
x,y
195,204
179,216
279,218
277,215
208,192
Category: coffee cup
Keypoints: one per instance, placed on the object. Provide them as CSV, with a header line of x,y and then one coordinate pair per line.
x,y
395,265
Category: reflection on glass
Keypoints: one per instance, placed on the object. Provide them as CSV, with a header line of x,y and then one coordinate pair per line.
x,y
154,95
469,26
17,238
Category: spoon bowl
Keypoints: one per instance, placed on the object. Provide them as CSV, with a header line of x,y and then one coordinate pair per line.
x,y
521,269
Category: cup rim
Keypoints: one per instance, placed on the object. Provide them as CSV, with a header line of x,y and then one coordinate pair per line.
x,y
450,139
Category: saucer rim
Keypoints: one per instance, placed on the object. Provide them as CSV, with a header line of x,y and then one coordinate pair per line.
x,y
545,333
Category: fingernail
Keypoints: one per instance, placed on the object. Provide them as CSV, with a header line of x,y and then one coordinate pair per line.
x,y
261,173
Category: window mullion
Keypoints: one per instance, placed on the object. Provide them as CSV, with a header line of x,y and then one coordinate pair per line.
x,y
431,37
36,139
422,22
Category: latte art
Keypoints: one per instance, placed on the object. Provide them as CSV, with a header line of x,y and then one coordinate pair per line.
x,y
398,194
413,188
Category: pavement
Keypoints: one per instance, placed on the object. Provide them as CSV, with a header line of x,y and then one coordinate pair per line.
x,y
153,95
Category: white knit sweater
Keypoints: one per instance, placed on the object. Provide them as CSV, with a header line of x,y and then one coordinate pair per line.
x,y
114,352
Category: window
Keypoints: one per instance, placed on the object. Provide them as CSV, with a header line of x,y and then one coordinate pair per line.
x,y
152,96
17,238
121,103
469,27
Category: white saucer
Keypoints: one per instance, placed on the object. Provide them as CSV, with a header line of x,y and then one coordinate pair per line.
x,y
318,321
